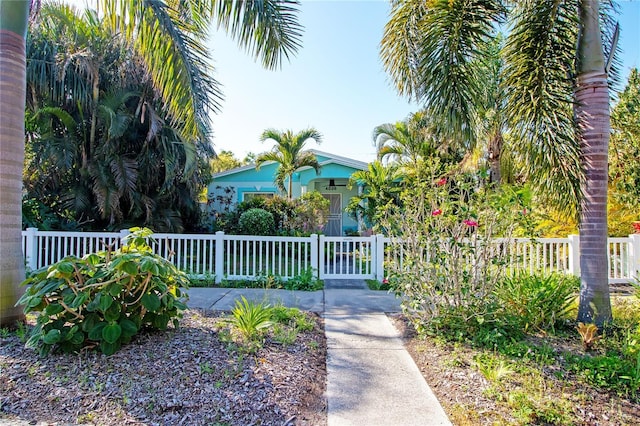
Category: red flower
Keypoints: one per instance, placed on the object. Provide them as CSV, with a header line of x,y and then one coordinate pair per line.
x,y
470,222
525,212
441,181
436,212
636,227
385,281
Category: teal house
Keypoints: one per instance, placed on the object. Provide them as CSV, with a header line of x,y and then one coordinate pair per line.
x,y
332,183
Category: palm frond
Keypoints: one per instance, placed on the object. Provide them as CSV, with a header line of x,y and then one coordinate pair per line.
x,y
175,57
540,54
267,29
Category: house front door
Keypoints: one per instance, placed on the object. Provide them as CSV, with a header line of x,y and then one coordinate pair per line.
x,y
334,225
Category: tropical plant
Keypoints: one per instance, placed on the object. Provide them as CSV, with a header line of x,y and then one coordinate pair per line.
x,y
310,214
251,318
103,299
536,302
624,151
289,153
446,262
558,112
166,35
381,188
113,157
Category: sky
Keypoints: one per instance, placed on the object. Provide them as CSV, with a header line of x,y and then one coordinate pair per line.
x,y
335,83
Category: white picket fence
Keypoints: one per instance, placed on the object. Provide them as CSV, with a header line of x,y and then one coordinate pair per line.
x,y
246,257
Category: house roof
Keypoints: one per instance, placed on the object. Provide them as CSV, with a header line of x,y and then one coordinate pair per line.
x,y
324,158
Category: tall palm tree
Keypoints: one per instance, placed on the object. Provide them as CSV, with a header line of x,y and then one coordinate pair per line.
x,y
290,154
168,36
13,29
558,103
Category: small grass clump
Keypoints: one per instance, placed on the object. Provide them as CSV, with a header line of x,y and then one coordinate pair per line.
x,y
252,323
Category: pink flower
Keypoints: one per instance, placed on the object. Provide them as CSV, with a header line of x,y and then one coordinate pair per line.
x,y
385,281
441,181
470,222
436,212
525,212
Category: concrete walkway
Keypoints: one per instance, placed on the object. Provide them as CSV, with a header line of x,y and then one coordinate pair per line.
x,y
371,378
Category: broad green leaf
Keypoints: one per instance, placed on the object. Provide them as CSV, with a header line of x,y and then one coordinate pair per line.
x,y
129,328
109,348
160,321
68,296
47,287
96,332
52,337
151,302
115,289
92,259
34,301
79,300
32,343
111,333
43,319
90,321
149,265
53,308
105,302
130,268
113,313
65,268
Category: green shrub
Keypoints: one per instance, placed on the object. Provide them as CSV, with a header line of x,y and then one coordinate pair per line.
x,y
536,302
103,299
257,222
447,260
306,281
311,214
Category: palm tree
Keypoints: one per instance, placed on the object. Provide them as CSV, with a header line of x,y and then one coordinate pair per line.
x,y
558,112
13,28
410,142
289,153
382,187
168,35
405,141
113,156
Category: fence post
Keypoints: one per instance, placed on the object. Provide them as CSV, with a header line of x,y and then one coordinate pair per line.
x,y
31,249
379,256
315,262
123,235
218,268
634,257
574,255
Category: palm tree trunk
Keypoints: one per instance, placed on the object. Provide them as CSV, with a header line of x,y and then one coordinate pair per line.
x,y
13,18
495,151
592,114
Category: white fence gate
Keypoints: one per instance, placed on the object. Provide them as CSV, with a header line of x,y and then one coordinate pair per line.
x,y
246,256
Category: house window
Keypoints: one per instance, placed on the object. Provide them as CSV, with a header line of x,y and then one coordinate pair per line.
x,y
247,196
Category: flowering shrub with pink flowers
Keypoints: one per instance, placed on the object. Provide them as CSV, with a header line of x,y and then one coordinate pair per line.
x,y
444,259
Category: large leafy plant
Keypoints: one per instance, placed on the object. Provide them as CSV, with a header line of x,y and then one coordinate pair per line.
x,y
445,257
103,299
